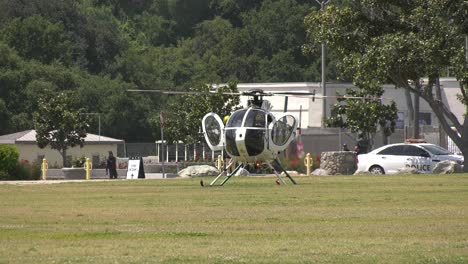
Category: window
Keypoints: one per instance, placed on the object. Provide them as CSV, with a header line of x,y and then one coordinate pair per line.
x,y
236,119
96,160
255,118
393,150
231,146
436,150
425,119
282,130
400,121
213,130
254,141
415,151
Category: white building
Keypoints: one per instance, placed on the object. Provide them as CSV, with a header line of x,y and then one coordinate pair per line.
x,y
95,147
311,114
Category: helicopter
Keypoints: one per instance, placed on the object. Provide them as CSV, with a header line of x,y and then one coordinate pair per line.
x,y
252,134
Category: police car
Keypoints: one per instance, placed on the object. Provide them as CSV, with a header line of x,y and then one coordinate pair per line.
x,y
389,158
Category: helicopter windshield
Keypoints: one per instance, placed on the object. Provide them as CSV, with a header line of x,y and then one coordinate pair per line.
x,y
255,118
236,119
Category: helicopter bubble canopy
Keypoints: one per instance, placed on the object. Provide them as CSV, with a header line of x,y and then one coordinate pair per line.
x,y
252,134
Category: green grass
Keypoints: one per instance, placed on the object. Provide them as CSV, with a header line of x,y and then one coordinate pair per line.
x,y
345,219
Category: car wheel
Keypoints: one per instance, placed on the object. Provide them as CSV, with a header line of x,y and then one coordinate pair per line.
x,y
376,170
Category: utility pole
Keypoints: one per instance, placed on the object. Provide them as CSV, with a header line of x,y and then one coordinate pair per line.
x,y
162,120
322,4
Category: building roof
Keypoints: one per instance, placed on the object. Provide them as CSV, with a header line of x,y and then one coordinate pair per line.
x,y
29,136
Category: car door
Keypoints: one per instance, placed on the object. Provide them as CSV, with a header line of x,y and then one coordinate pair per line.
x,y
282,131
392,158
213,130
418,158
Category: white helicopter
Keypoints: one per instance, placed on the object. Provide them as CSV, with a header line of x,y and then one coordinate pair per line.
x,y
252,134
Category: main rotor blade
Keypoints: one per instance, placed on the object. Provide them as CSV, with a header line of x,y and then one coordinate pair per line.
x,y
292,93
179,92
250,93
345,97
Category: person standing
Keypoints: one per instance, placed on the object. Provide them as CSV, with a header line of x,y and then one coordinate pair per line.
x,y
362,144
111,166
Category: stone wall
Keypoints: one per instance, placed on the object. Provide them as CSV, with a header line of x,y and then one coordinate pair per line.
x,y
338,162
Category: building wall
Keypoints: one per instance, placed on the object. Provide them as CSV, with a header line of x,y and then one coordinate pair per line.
x,y
32,152
312,110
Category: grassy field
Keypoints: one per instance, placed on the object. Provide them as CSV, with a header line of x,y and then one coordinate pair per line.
x,y
345,219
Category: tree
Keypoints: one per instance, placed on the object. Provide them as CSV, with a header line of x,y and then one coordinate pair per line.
x,y
37,38
58,122
4,117
184,121
364,115
400,42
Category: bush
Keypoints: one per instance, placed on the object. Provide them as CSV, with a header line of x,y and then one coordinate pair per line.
x,y
78,162
24,171
4,176
8,158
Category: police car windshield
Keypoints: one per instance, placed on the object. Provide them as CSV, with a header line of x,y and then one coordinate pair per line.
x,y
436,150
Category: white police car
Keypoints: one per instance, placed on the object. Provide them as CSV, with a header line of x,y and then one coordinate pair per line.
x,y
389,158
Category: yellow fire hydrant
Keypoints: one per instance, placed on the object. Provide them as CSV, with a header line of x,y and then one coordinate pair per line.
x,y
308,162
44,168
88,167
219,163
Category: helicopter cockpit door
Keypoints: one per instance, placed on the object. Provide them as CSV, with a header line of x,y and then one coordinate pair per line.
x,y
213,130
282,131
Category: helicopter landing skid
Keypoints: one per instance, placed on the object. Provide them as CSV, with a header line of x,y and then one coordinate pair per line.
x,y
228,176
285,172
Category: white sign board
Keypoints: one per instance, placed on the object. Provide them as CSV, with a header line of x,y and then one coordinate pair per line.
x,y
133,169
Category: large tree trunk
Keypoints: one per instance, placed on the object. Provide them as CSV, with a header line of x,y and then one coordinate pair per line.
x,y
64,157
464,147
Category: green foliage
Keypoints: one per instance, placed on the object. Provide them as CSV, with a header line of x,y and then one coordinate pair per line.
x,y
4,116
8,158
37,38
26,171
364,115
78,162
4,176
58,122
100,48
23,171
398,42
185,124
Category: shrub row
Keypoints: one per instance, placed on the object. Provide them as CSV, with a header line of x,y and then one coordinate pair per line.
x,y
11,169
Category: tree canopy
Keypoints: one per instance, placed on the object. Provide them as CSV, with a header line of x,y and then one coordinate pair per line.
x,y
192,108
400,42
100,48
59,122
